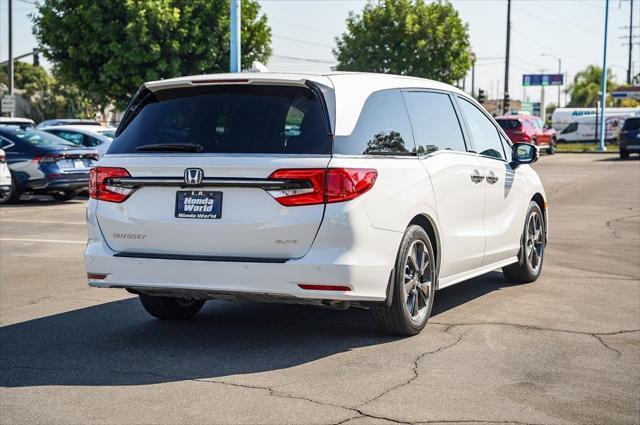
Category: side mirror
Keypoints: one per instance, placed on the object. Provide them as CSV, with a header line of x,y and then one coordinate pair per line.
x,y
524,153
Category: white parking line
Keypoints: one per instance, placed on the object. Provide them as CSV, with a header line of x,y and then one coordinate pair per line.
x,y
15,220
41,240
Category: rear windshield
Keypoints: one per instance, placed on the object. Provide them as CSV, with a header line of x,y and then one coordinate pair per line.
x,y
509,124
631,124
242,119
35,137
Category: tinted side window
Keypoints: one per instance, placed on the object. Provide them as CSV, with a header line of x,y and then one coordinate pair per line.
x,y
570,128
484,134
91,141
434,122
383,127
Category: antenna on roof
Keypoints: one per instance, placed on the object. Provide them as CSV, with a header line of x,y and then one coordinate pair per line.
x,y
258,67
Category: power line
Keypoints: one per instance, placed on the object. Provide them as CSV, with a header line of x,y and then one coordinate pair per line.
x,y
296,58
311,43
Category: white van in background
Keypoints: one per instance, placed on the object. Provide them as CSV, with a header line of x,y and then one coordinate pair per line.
x,y
562,117
583,129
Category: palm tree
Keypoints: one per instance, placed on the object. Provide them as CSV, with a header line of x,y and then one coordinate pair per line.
x,y
586,86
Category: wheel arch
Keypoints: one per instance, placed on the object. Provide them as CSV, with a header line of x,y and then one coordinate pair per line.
x,y
430,227
542,203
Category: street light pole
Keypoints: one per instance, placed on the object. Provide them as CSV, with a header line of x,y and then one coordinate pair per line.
x,y
559,72
234,47
604,78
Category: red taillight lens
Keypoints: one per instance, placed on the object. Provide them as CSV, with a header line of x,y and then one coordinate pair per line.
x,y
3,156
324,185
344,184
99,185
48,158
304,196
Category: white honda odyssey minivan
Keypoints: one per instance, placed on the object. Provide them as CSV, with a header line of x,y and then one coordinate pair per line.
x,y
341,189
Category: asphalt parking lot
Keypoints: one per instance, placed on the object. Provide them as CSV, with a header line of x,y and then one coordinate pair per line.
x,y
565,349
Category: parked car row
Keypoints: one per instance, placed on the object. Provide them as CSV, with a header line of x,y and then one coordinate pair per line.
x,y
52,158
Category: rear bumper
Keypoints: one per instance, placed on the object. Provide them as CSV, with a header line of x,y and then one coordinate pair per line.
x,y
630,145
58,182
360,257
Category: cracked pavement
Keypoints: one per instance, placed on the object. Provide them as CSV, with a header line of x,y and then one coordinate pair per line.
x,y
565,349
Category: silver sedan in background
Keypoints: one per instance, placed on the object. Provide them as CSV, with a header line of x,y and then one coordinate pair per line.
x,y
92,136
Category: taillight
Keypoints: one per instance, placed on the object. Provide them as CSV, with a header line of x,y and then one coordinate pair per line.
x,y
344,184
49,158
323,185
3,156
311,195
100,189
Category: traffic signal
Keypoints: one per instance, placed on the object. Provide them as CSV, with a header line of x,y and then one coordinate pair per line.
x,y
36,58
481,97
505,106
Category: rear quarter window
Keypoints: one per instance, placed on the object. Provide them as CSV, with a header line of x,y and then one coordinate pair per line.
x,y
382,128
239,119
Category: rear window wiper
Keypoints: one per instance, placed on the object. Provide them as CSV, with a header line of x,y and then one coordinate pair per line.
x,y
169,147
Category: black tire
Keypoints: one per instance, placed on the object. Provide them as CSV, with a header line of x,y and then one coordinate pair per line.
x,y
13,195
552,148
396,318
527,269
169,308
66,195
624,154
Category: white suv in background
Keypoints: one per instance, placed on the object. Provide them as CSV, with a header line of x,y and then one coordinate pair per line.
x,y
338,189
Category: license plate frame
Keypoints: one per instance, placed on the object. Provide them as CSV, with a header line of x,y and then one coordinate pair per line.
x,y
198,204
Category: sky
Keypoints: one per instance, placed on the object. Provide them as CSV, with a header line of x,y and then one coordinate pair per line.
x,y
304,33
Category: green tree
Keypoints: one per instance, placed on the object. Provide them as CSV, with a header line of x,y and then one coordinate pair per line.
x,y
406,37
45,95
110,47
586,86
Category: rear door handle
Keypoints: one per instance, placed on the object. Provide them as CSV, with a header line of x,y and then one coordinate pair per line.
x,y
492,178
476,177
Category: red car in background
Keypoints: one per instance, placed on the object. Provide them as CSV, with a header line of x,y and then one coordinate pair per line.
x,y
528,129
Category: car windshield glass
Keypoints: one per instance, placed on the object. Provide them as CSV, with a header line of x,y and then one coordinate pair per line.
x,y
37,137
238,119
509,124
632,124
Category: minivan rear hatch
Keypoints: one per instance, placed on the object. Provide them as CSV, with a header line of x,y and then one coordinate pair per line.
x,y
191,173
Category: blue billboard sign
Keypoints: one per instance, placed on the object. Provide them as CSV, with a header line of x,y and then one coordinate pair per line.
x,y
542,80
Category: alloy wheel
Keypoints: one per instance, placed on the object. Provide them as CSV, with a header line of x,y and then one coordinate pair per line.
x,y
535,242
418,279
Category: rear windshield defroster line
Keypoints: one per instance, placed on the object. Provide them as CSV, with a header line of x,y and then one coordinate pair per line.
x,y
234,119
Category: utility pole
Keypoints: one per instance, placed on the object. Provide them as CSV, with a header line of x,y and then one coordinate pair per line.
x,y
505,103
604,78
10,68
629,76
234,48
473,77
